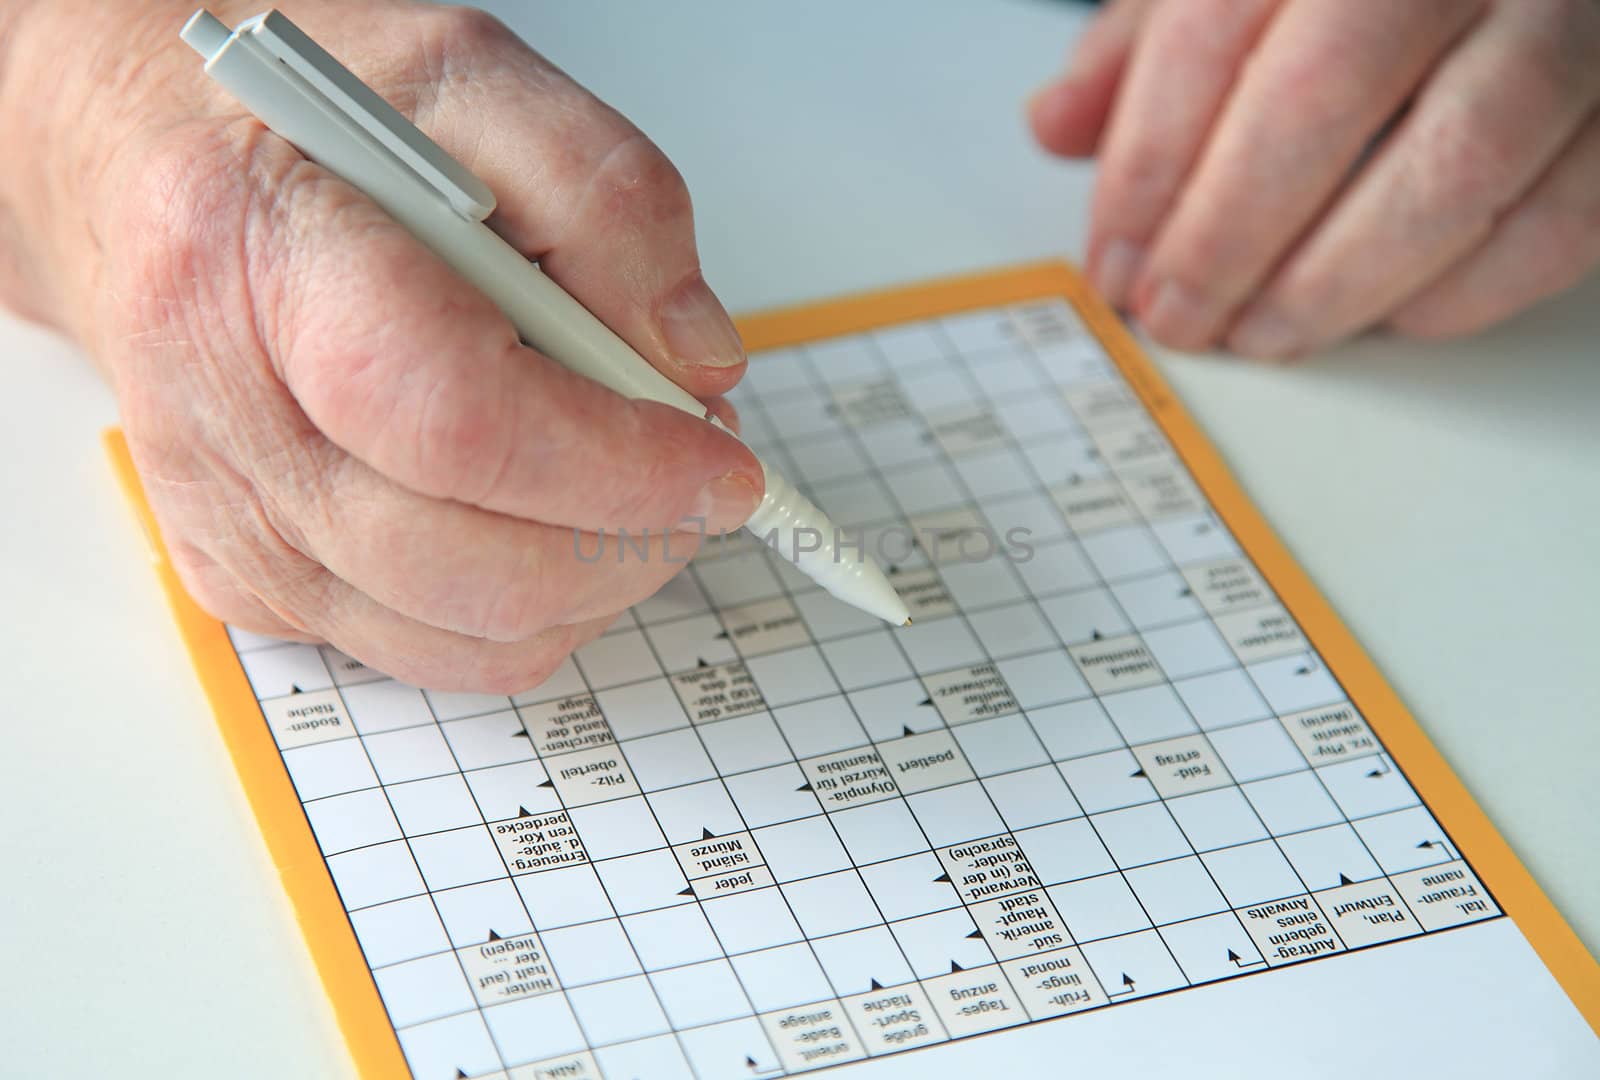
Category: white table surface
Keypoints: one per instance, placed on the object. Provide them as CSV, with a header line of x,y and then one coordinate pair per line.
x,y
1446,498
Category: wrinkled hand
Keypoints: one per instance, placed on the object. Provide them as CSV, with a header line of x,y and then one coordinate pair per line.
x,y
341,439
1276,175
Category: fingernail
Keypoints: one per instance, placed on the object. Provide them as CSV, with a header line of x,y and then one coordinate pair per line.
x,y
697,328
1264,334
726,502
1115,270
1180,318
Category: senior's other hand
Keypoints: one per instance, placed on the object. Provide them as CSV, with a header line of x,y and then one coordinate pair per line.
x,y
340,438
1276,175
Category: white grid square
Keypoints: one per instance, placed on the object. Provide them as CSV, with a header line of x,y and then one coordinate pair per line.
x,y
672,937
886,711
1200,538
769,796
1252,873
983,583
1032,797
1079,616
791,675
1075,729
747,921
1125,552
1141,834
820,727
1065,851
618,1010
1098,907
284,670
590,952
1043,523
1258,750
1292,803
618,827
372,875
1176,890
802,848
951,815
940,645
1148,714
1043,679
492,739
471,912
745,743
1360,793
385,706
1107,781
1012,630
1157,600
643,882
423,989
1188,649
1325,857
669,760
782,978
410,754
866,659
1219,818
641,708
329,768
878,831
933,942
399,931
682,643
831,904
571,894
678,597
440,1047
458,857
507,790
428,806
532,1029
854,961
700,993
1223,698
1395,840
731,580
685,813
1003,744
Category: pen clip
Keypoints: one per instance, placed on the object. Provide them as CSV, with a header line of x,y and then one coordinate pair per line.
x,y
465,193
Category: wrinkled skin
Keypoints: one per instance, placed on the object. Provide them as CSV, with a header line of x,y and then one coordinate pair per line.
x,y
341,440
1240,200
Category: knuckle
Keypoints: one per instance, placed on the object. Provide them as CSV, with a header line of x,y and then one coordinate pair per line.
x,y
634,183
462,438
511,671
1462,169
518,610
448,30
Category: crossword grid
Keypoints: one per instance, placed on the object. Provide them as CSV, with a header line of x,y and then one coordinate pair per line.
x,y
751,831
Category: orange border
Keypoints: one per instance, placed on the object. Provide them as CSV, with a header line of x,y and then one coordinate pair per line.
x,y
323,920
368,1032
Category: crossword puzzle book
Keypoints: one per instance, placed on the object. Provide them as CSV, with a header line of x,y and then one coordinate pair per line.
x,y
1125,796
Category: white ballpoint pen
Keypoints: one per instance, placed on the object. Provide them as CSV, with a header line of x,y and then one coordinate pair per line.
x,y
306,96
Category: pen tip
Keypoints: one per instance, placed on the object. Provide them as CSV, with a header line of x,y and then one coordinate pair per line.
x,y
907,622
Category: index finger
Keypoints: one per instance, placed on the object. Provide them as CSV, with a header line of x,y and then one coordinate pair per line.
x,y
408,368
1322,82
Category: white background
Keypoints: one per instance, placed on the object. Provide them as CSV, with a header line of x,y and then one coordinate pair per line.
x,y
1443,497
